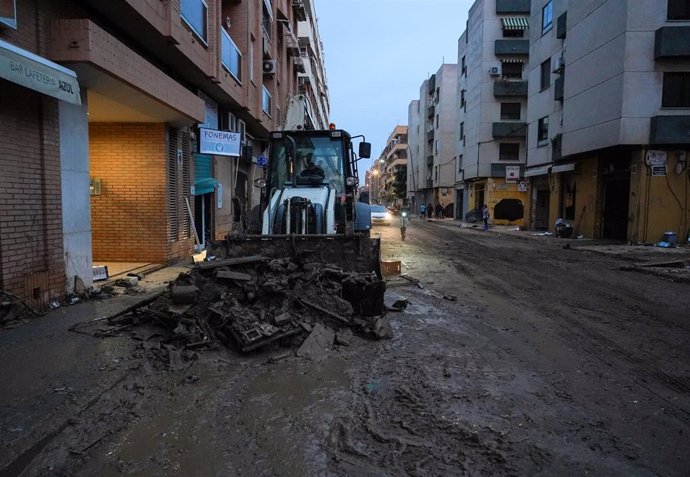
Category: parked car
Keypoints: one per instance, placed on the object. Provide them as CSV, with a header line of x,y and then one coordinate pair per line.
x,y
380,215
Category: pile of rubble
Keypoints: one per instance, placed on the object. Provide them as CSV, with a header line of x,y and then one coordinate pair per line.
x,y
250,302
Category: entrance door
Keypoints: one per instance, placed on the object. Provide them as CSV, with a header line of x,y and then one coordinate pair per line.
x,y
541,212
616,202
459,203
203,217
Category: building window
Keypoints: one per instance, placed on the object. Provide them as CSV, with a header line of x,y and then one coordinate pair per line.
x,y
463,66
547,17
462,98
676,91
251,58
510,111
437,146
438,116
266,20
678,10
509,151
511,70
231,58
543,131
266,101
545,74
513,33
194,13
462,133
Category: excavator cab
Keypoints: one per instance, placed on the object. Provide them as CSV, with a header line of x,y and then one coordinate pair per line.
x,y
311,184
309,207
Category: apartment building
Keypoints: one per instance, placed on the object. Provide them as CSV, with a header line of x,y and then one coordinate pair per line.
x,y
609,115
492,90
432,141
102,110
392,163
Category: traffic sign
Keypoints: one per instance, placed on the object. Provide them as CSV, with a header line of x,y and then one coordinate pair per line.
x,y
262,161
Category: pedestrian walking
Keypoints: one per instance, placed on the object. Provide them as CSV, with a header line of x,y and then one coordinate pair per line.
x,y
439,211
422,211
485,217
429,210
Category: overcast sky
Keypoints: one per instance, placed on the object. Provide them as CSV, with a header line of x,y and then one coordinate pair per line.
x,y
378,53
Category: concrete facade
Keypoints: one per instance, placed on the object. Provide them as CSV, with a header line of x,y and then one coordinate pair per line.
x,y
604,167
393,159
491,134
149,73
432,144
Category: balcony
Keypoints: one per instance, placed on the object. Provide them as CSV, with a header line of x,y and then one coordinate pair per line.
x,y
556,147
562,26
669,130
430,136
430,161
511,47
559,86
503,129
672,42
299,10
512,6
298,61
510,88
431,110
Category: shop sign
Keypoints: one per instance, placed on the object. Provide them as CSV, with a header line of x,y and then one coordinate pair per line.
x,y
512,173
220,143
657,162
37,73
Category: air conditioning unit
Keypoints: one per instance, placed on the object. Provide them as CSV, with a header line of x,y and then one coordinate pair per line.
x,y
303,80
558,65
270,67
495,71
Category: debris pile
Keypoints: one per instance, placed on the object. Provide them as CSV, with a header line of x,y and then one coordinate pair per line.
x,y
250,302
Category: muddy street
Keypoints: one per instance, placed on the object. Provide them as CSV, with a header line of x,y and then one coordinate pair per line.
x,y
514,356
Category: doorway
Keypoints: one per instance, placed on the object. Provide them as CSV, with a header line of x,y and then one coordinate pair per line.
x,y
616,201
541,210
203,218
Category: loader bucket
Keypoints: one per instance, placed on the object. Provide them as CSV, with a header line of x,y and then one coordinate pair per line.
x,y
353,254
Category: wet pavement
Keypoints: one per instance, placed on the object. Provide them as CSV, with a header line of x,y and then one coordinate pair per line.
x,y
550,361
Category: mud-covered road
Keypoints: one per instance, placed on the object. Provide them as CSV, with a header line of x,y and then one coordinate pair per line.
x,y
551,361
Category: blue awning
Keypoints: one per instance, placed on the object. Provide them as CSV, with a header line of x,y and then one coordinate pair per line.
x,y
204,186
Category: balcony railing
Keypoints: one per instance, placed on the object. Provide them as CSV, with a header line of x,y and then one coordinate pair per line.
x,y
231,58
512,47
505,129
672,42
195,14
512,6
510,88
669,129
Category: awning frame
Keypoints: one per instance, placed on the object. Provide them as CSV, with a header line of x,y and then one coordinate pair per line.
x,y
569,167
514,23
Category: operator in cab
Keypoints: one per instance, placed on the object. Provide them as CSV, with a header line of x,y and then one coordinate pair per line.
x,y
311,172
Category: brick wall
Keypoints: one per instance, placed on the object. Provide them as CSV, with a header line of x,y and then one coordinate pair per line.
x,y
129,218
31,247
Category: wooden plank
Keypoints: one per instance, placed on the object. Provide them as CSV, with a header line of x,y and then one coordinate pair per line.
x,y
233,275
228,262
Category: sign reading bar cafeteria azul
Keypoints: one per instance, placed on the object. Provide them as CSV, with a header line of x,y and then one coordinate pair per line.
x,y
220,143
37,73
